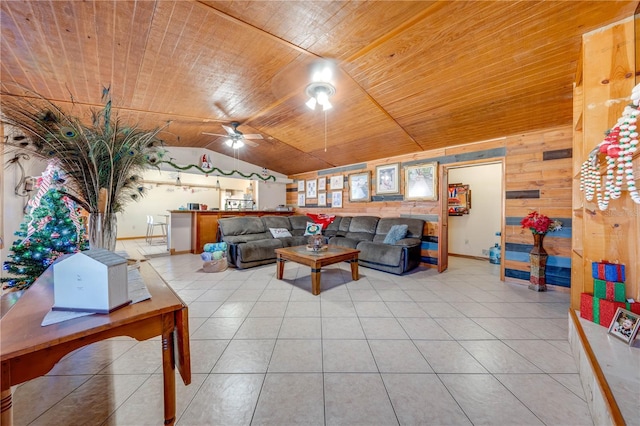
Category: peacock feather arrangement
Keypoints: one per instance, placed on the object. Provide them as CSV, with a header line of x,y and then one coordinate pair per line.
x,y
101,156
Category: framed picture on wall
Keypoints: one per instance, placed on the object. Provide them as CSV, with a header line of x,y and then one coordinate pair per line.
x,y
421,182
300,200
322,184
359,184
337,182
322,199
300,186
312,188
388,179
336,199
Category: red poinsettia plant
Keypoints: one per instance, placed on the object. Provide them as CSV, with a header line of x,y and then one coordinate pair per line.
x,y
540,224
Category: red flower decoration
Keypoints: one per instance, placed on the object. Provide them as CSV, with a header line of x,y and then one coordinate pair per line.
x,y
539,223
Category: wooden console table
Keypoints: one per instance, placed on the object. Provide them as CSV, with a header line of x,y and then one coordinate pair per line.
x,y
28,351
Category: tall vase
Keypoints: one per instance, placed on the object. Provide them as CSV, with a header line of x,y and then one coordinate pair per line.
x,y
538,260
103,230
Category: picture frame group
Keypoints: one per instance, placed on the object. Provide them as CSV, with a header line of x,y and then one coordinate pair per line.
x,y
388,179
360,186
421,182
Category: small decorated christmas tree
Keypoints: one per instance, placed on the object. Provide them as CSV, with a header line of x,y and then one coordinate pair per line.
x,y
52,227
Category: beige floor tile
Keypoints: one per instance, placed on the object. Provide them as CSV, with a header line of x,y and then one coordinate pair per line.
x,y
245,356
143,358
406,310
234,309
342,328
382,328
93,358
224,399
94,401
205,354
218,328
296,356
448,357
423,329
398,356
259,328
486,401
544,355
464,329
393,295
290,399
275,295
571,382
268,309
303,309
203,309
337,308
497,357
407,393
365,296
301,328
347,356
536,390
370,405
440,310
504,328
372,309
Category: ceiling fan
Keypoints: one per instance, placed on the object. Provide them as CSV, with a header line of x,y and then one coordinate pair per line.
x,y
235,138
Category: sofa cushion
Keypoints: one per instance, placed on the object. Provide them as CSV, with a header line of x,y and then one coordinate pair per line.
x,y
238,239
276,222
344,242
243,225
383,254
298,224
363,224
313,229
414,230
333,228
259,250
279,232
395,234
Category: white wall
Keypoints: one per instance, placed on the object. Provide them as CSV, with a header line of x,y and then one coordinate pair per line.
x,y
160,198
472,233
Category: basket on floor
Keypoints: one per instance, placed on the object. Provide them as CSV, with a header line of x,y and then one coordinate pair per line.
x,y
215,265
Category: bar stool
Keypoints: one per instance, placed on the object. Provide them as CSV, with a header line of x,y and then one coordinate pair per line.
x,y
151,225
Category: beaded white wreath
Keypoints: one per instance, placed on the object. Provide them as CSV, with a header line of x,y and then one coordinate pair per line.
x,y
619,146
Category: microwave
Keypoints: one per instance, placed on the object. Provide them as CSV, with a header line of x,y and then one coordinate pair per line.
x,y
193,206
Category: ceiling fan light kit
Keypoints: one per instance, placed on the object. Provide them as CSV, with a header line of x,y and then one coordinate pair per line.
x,y
319,94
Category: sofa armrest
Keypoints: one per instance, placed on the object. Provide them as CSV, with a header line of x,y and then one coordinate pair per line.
x,y
408,242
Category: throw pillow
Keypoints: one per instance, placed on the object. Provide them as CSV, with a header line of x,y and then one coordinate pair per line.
x,y
322,219
279,232
313,229
396,233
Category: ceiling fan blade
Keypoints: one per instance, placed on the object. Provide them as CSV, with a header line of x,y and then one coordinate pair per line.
x,y
229,130
252,136
250,143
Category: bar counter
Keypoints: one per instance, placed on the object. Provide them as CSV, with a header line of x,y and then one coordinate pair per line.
x,y
190,230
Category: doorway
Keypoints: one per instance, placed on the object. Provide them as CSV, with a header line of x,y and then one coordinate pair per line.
x,y
472,235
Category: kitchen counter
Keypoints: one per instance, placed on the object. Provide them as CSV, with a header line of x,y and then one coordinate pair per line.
x,y
190,230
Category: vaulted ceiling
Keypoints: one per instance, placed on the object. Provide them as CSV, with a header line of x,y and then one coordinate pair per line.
x,y
410,75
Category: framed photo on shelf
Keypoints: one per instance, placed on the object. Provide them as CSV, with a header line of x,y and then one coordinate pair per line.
x,y
300,186
388,179
312,188
336,199
322,199
322,184
359,184
421,182
625,325
300,200
337,182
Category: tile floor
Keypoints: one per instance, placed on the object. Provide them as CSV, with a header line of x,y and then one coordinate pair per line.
x,y
457,348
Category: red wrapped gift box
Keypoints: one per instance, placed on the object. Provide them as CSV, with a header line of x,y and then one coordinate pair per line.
x,y
586,306
608,309
633,307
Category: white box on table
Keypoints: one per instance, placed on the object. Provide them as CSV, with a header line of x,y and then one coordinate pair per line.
x,y
91,281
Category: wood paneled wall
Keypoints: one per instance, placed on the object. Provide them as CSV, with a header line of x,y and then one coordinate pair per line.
x,y
603,86
537,176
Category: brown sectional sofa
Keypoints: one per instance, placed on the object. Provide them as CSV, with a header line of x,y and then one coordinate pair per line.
x,y
250,243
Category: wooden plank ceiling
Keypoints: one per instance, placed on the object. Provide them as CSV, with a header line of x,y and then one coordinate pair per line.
x,y
410,76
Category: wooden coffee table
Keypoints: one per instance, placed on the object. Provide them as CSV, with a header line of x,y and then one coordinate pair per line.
x,y
316,260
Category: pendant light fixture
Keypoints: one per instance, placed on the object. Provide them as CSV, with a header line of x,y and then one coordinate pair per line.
x,y
319,94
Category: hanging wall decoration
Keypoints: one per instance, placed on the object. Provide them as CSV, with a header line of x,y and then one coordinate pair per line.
x,y
618,147
218,171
